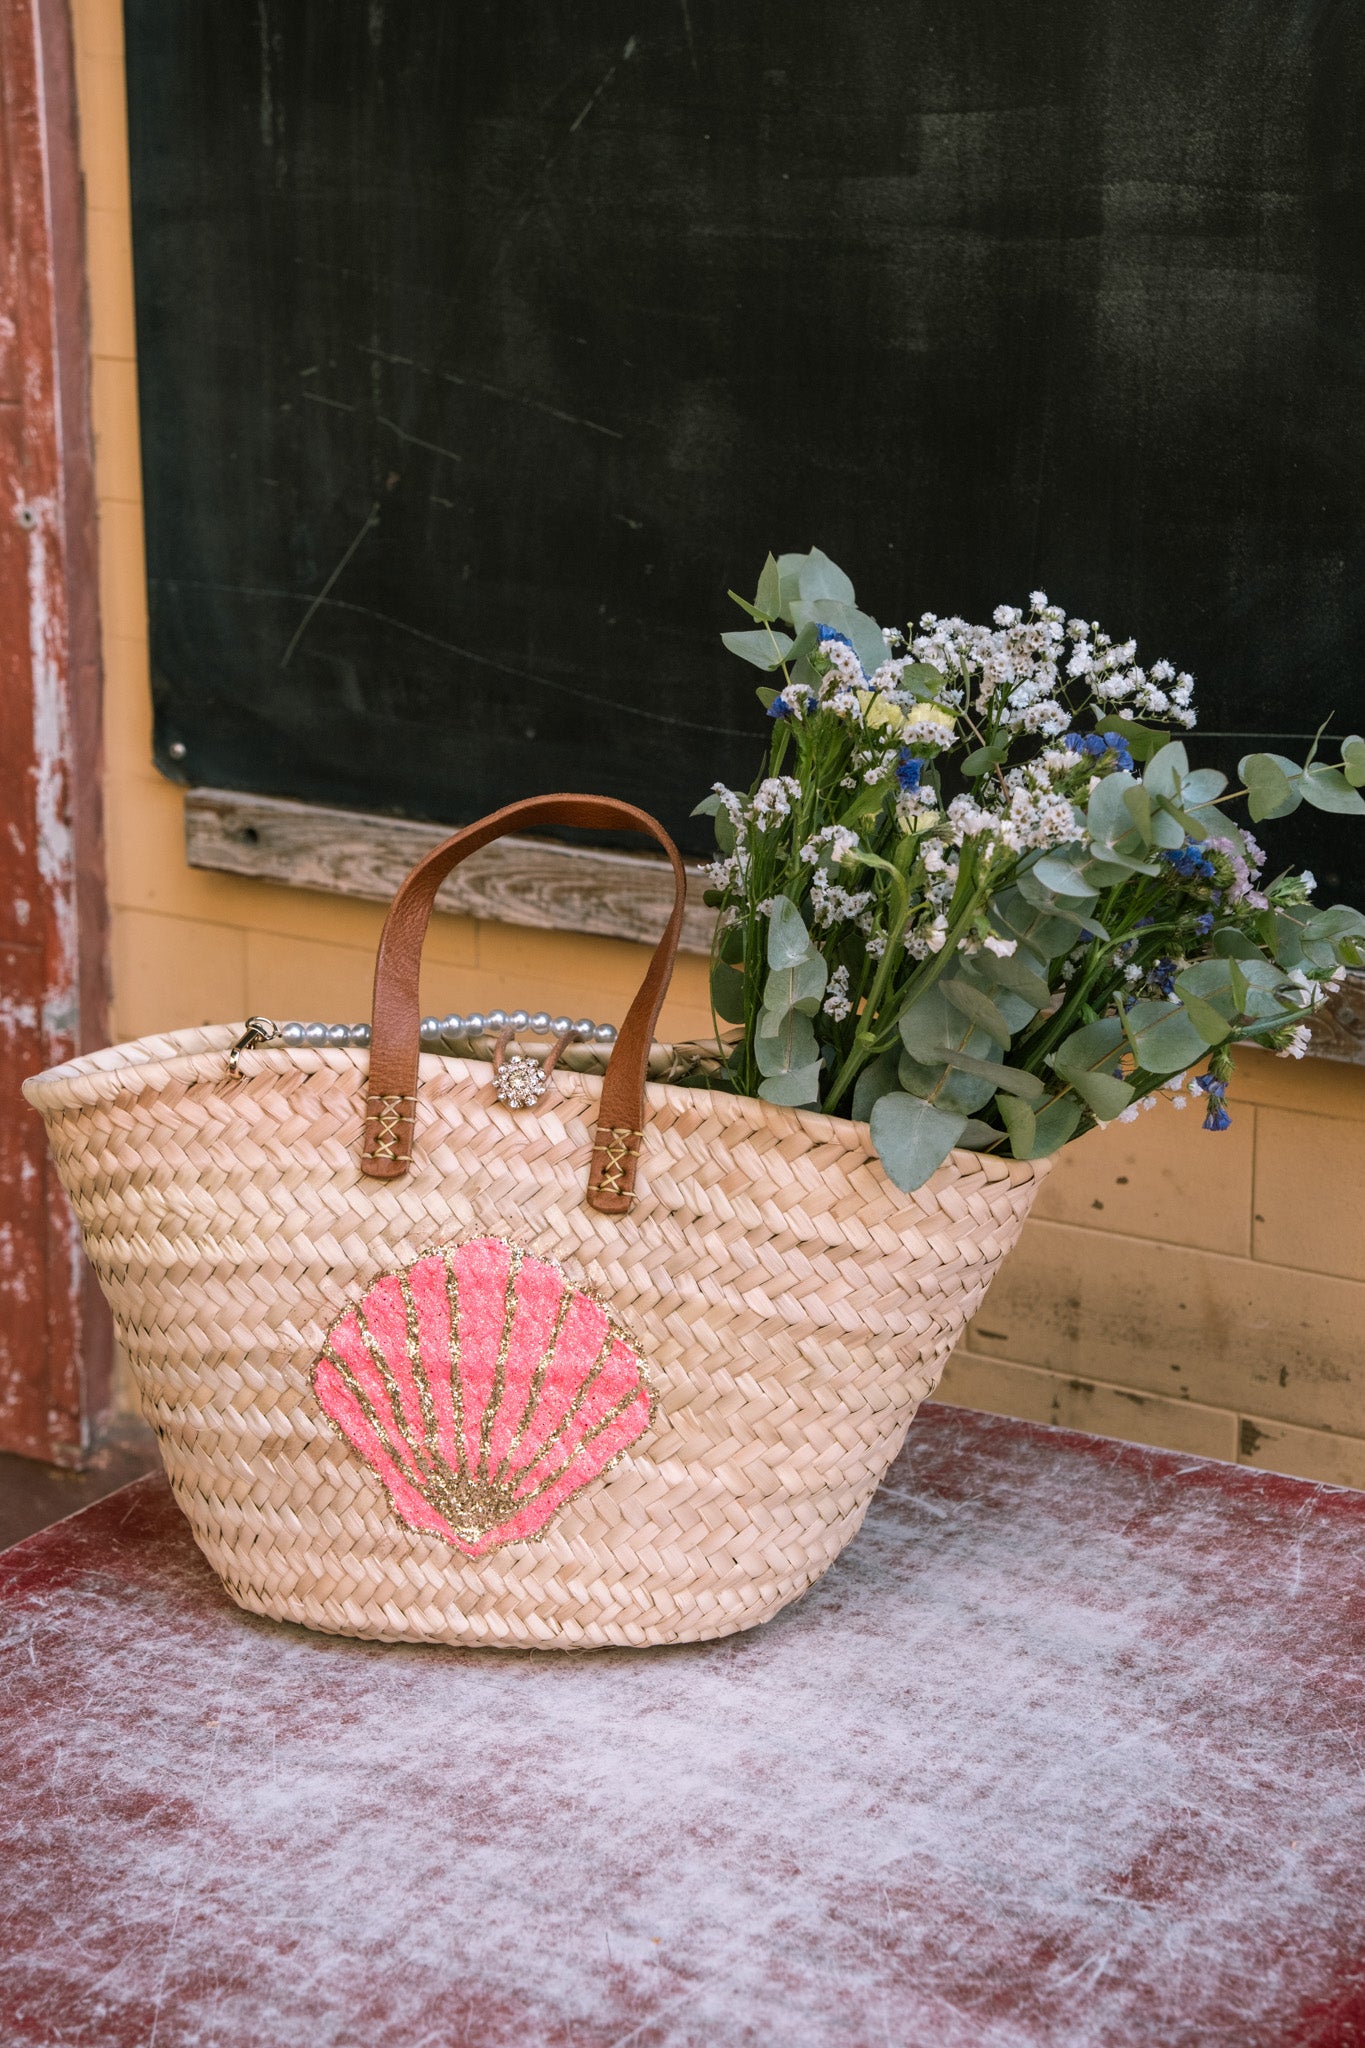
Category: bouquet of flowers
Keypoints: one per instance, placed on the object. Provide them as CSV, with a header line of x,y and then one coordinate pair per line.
x,y
980,897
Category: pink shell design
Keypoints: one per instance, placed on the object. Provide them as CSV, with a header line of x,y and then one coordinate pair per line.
x,y
484,1391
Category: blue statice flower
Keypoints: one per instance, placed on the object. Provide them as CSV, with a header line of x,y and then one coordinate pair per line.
x,y
824,633
1162,976
1203,924
779,708
909,769
1097,744
1189,863
1217,1118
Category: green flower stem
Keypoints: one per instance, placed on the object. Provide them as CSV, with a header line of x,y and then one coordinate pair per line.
x,y
868,1044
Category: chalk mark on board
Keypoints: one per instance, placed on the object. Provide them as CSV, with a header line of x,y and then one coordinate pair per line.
x,y
371,519
572,419
416,439
521,675
316,398
687,30
606,80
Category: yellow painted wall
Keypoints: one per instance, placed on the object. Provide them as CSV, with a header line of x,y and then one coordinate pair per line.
x,y
1196,1291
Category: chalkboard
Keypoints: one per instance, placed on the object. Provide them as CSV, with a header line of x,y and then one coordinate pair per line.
x,y
483,342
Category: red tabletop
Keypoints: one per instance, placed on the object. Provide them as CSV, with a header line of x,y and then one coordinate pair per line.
x,y
1068,1748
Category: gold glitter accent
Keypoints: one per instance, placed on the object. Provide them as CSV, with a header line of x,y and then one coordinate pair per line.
x,y
509,1312
543,1365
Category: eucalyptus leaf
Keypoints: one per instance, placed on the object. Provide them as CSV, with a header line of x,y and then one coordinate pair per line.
x,y
1020,972
1165,773
1107,815
1054,1125
928,1025
1212,1026
1143,740
982,759
1353,760
768,598
1164,1038
1138,804
1091,1046
1272,782
878,1078
730,944
764,649
977,1007
922,680
1338,921
727,993
1202,786
1104,1094
1013,1080
791,1046
1327,789
1231,944
788,940
1020,1122
947,1087
976,1136
797,1089
819,577
1084,1061
1170,826
708,806
913,1138
862,632
1062,874
796,988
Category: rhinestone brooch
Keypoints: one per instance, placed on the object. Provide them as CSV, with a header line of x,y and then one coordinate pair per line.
x,y
520,1081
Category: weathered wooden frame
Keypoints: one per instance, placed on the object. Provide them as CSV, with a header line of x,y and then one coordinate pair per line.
x,y
537,882
55,1338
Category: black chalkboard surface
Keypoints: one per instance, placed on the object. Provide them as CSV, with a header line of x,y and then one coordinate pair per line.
x,y
482,343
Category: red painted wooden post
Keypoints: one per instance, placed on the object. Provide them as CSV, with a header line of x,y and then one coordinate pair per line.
x,y
54,1333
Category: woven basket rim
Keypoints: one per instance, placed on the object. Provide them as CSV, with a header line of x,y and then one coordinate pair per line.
x,y
144,1065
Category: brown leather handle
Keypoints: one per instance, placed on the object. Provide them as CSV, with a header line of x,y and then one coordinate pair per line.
x,y
395,1033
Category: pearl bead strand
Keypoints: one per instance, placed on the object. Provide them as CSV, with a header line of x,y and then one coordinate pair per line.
x,y
437,1031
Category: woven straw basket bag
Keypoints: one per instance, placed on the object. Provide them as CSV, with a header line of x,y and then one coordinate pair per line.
x,y
623,1365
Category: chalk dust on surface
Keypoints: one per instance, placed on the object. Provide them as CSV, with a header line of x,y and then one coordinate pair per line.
x,y
1067,1749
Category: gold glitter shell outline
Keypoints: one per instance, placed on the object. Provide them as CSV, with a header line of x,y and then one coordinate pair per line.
x,y
445,1249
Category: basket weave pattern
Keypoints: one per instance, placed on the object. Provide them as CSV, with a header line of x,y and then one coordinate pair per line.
x,y
793,1306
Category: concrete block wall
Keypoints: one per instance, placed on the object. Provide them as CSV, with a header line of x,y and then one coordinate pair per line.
x,y
1174,1287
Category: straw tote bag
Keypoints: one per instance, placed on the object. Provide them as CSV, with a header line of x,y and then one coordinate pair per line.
x,y
623,1365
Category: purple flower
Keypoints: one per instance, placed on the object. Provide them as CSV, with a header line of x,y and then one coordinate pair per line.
x,y
1162,976
908,770
1190,864
1217,1118
1203,924
1094,744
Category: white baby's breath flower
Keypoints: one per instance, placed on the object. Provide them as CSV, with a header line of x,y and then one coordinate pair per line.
x,y
837,1003
1297,1043
832,844
774,798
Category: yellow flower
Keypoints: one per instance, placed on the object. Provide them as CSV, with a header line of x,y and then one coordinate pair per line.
x,y
915,822
879,711
931,714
